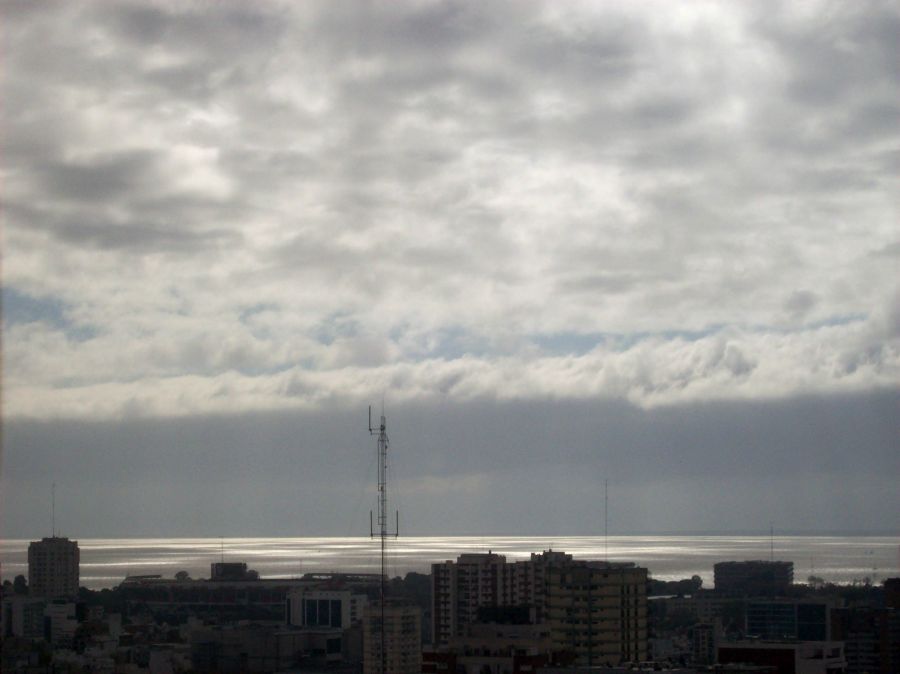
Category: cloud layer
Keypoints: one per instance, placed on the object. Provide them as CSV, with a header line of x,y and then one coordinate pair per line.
x,y
232,207
812,463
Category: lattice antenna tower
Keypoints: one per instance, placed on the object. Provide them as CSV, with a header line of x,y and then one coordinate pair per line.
x,y
383,533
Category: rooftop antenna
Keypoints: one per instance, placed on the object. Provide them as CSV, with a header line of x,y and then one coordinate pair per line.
x,y
53,510
606,518
383,534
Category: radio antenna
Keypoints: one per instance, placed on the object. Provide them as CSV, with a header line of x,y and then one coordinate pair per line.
x,y
383,534
606,518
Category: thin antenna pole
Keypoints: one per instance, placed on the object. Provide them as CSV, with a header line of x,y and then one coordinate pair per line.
x,y
53,510
382,518
606,518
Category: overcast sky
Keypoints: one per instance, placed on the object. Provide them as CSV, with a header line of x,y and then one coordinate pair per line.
x,y
649,242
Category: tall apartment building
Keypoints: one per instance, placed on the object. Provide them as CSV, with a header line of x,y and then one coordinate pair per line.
x,y
525,582
459,588
871,637
53,567
486,580
598,612
591,608
402,638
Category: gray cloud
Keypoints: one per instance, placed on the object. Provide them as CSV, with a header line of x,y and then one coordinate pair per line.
x,y
508,459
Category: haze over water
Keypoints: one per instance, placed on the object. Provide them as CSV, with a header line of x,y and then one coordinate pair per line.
x,y
106,562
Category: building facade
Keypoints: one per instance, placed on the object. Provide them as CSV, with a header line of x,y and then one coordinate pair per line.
x,y
53,568
787,657
399,649
597,612
871,637
797,619
23,617
311,607
461,590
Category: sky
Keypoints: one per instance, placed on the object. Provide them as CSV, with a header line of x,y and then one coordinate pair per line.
x,y
653,243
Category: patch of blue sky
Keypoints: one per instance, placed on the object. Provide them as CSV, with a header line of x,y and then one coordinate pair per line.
x,y
827,322
454,342
836,321
20,308
255,371
337,325
246,318
249,312
580,343
575,343
447,343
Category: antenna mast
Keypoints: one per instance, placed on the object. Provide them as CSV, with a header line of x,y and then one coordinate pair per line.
x,y
53,510
383,534
606,518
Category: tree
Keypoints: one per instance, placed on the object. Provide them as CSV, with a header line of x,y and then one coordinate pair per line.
x,y
20,585
182,576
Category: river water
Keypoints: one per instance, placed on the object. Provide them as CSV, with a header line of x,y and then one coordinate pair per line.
x,y
106,562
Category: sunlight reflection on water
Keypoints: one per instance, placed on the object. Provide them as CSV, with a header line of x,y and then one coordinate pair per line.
x,y
105,562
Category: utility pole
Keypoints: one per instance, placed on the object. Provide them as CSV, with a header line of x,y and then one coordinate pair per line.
x,y
381,432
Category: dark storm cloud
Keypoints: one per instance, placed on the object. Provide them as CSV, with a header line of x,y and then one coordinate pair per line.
x,y
86,228
320,463
100,178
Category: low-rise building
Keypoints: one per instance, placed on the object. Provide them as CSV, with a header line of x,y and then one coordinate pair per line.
x,y
788,657
796,619
311,607
262,647
24,617
753,578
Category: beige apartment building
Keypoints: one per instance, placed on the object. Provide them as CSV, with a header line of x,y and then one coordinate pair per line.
x,y
598,612
482,580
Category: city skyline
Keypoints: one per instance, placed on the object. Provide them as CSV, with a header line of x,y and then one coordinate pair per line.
x,y
650,243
